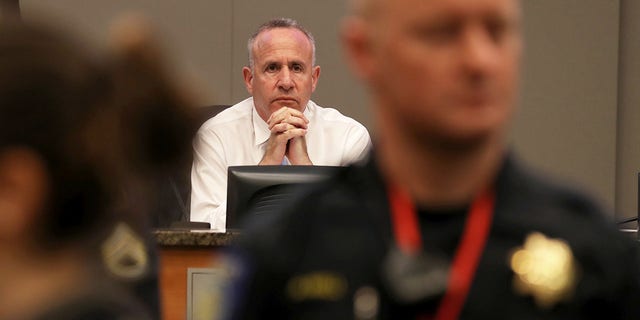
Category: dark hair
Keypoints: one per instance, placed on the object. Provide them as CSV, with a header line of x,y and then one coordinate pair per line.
x,y
49,91
87,118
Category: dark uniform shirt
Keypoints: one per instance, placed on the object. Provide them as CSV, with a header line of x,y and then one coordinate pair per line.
x,y
324,255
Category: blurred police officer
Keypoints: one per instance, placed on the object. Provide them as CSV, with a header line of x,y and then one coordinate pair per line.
x,y
442,222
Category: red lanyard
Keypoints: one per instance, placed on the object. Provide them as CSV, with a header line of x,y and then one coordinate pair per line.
x,y
465,261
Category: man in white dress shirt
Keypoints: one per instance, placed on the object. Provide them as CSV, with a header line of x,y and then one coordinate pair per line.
x,y
279,124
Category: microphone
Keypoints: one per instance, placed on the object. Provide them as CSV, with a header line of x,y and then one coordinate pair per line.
x,y
627,220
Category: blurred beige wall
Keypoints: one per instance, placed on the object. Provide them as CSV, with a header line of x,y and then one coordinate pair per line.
x,y
576,119
566,124
628,142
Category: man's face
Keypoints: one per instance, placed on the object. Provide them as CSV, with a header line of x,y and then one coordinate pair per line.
x,y
444,68
283,73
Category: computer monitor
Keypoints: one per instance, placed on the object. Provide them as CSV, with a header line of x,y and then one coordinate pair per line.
x,y
261,188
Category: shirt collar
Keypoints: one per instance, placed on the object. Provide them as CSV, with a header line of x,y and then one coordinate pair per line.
x,y
261,129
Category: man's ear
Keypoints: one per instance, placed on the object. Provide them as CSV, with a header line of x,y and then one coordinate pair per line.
x,y
355,36
248,79
24,186
315,75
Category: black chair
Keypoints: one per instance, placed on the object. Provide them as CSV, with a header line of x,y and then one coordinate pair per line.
x,y
172,208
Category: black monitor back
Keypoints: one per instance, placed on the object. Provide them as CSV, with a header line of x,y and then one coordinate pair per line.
x,y
259,189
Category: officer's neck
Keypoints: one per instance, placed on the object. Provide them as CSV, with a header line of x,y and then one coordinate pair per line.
x,y
440,175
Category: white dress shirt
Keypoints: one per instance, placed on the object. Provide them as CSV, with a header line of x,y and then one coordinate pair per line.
x,y
237,136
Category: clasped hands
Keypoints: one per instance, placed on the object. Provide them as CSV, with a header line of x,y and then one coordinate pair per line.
x,y
288,129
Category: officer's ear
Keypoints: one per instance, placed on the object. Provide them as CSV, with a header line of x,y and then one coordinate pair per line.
x,y
24,186
357,44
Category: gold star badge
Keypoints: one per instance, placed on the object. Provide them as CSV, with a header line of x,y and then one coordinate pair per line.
x,y
319,285
544,268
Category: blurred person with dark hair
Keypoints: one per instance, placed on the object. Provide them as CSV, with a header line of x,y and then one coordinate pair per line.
x,y
76,132
156,121
442,222
278,124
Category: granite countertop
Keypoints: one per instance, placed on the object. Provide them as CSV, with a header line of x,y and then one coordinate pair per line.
x,y
207,238
196,238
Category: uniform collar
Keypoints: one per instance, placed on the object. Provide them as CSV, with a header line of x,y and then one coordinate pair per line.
x,y
373,186
261,129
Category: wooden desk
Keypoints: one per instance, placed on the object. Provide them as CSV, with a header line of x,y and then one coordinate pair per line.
x,y
180,250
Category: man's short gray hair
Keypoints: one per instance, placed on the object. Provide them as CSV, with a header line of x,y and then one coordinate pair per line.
x,y
285,23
